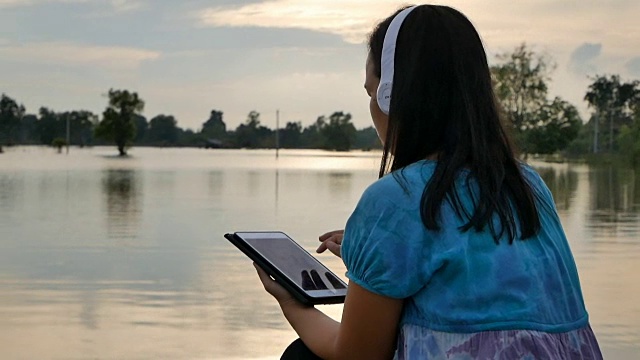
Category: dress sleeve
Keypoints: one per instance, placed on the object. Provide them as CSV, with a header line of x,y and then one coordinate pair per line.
x,y
385,246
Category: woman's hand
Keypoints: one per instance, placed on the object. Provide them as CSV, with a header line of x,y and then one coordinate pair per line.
x,y
331,241
276,290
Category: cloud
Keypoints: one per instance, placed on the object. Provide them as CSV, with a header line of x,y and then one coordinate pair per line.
x,y
117,5
581,59
126,5
21,3
63,53
351,19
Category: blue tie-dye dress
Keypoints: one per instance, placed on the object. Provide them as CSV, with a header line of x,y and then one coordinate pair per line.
x,y
465,296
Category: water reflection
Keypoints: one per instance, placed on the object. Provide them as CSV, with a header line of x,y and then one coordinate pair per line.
x,y
615,200
112,259
563,183
10,189
122,190
340,183
613,189
216,183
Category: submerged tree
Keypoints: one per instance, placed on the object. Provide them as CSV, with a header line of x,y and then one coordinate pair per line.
x,y
612,101
252,134
163,130
290,135
629,138
338,133
214,127
117,123
10,115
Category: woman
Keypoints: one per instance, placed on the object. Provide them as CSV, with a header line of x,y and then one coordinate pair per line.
x,y
457,251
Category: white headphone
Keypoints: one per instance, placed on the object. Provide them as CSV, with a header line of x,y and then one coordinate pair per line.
x,y
383,94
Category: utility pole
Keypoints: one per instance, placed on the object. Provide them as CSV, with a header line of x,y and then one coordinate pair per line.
x,y
277,132
68,133
596,119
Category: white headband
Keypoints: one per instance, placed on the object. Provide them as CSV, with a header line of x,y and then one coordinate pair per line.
x,y
383,94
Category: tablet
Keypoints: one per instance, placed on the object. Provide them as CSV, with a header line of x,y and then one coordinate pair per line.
x,y
293,267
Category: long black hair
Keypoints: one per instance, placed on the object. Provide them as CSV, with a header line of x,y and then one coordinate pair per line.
x,y
443,105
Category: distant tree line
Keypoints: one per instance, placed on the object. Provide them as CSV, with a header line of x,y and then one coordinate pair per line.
x,y
540,124
123,124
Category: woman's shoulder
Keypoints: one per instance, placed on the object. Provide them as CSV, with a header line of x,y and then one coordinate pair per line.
x,y
530,174
402,184
536,181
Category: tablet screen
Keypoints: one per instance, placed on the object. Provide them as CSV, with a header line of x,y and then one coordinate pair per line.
x,y
295,263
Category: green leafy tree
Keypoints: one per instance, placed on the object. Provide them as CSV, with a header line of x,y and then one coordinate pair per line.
x,y
117,123
10,115
81,125
59,143
338,133
291,135
367,139
629,138
558,124
540,125
311,137
253,135
215,128
520,81
189,138
142,125
163,130
28,133
612,101
49,126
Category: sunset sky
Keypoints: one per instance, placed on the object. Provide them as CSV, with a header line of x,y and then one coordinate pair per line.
x,y
304,57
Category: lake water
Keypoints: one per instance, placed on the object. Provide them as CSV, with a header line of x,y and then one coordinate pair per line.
x,y
110,258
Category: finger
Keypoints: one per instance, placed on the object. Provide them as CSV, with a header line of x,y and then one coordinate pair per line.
x,y
335,249
321,248
329,234
337,238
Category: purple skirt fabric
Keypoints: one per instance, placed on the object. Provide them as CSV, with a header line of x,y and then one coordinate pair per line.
x,y
416,342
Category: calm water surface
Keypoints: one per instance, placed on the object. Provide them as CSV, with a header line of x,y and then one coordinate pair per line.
x,y
109,258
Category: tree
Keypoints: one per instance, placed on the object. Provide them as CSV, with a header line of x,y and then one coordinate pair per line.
x,y
142,125
367,139
290,136
629,138
163,130
117,123
520,82
540,125
188,137
28,133
612,102
214,128
10,115
558,124
311,137
49,126
80,126
59,143
253,135
339,133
